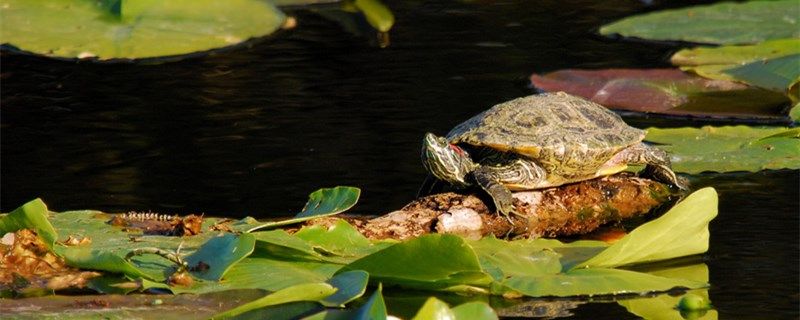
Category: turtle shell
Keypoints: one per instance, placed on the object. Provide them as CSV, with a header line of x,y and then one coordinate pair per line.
x,y
567,135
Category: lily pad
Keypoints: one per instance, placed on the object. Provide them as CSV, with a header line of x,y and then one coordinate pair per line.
x,y
736,54
729,148
125,29
666,91
301,292
32,215
778,74
219,254
682,231
321,203
721,23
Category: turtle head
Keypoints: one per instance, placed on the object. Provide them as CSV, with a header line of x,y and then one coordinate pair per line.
x,y
446,161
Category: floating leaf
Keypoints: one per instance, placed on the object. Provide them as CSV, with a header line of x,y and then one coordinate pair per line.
x,y
432,261
595,281
503,259
321,203
682,231
373,309
795,113
663,306
474,310
349,286
736,54
667,91
85,258
340,238
730,148
32,215
127,29
776,74
723,23
219,254
301,292
434,309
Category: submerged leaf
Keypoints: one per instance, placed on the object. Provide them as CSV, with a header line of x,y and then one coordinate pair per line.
x,y
133,29
301,292
32,215
723,23
726,149
682,231
667,91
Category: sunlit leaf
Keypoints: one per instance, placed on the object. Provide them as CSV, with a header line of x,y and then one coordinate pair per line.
x,y
86,258
321,203
723,23
663,306
682,231
133,29
340,238
729,148
32,215
667,91
595,281
435,309
736,54
432,261
220,254
378,15
301,292
776,74
503,259
477,310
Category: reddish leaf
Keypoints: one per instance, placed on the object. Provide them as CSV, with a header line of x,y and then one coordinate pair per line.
x,y
666,91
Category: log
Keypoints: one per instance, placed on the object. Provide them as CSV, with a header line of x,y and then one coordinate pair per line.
x,y
573,209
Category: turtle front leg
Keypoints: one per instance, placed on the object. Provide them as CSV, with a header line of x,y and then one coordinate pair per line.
x,y
657,163
490,182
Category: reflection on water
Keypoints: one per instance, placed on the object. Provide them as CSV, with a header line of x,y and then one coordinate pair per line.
x,y
253,131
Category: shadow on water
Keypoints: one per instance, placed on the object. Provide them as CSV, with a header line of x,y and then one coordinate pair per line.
x,y
253,131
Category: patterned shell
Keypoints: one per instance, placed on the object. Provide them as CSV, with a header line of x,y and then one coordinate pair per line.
x,y
563,133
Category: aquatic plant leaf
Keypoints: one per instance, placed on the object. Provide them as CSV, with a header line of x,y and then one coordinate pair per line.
x,y
340,238
301,292
795,113
433,261
728,148
682,231
266,274
477,310
378,15
86,258
349,286
595,281
434,309
219,254
666,91
736,54
133,29
373,309
721,23
663,306
31,215
776,74
321,203
502,259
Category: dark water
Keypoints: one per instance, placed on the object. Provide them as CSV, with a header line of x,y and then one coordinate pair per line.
x,y
254,130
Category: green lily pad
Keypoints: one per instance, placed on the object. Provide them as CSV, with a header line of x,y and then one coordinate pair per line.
x,y
778,74
321,203
434,309
32,215
503,259
729,148
341,238
682,231
301,292
125,29
432,261
373,309
721,23
736,54
596,281
477,310
664,306
220,254
349,286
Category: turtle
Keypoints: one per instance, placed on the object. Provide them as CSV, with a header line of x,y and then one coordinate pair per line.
x,y
540,141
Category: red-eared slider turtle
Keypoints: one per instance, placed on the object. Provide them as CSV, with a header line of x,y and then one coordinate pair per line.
x,y
540,141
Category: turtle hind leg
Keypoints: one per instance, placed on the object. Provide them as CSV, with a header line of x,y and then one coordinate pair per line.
x,y
657,163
